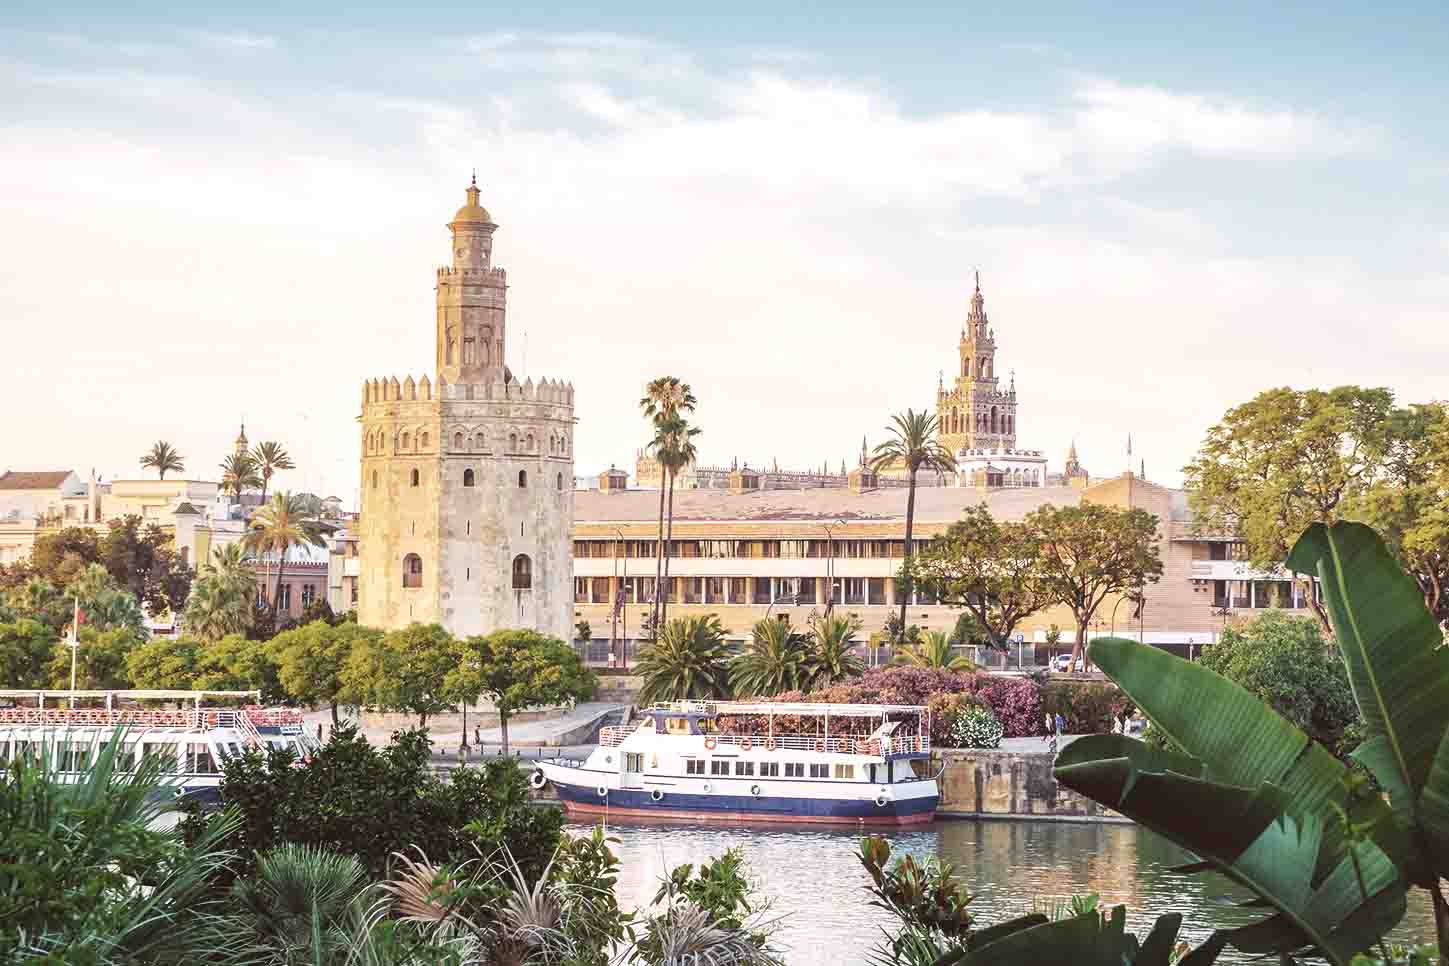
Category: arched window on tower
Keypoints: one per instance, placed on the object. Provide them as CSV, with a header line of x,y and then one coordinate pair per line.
x,y
560,482
965,368
530,442
512,442
412,570
992,424
374,479
522,572
423,441
478,442
522,479
468,477
407,441
417,478
457,441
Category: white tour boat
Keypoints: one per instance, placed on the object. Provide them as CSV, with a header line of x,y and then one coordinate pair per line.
x,y
761,761
197,737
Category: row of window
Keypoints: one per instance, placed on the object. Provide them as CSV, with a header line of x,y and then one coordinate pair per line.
x,y
412,576
471,442
284,601
415,478
748,549
721,768
195,759
748,590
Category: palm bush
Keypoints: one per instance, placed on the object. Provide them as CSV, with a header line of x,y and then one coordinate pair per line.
x,y
689,660
88,868
299,902
934,652
776,659
832,658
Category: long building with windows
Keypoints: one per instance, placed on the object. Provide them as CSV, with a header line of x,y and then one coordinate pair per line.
x,y
746,552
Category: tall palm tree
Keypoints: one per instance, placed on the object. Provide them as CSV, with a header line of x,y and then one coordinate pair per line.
x,y
278,527
664,399
238,473
832,658
776,659
267,458
163,458
221,598
934,652
675,451
912,443
687,660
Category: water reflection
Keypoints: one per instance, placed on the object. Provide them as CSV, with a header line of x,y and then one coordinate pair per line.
x,y
815,881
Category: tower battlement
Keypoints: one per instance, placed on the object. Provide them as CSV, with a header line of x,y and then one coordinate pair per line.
x,y
449,271
389,389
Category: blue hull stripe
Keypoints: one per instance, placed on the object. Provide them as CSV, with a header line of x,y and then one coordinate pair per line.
x,y
765,805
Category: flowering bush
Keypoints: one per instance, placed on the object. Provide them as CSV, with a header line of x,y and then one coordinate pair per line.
x,y
1088,707
1016,703
976,727
945,709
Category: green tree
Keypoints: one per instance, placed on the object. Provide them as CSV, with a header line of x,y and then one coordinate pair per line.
x,y
406,670
687,661
1285,459
1284,661
60,557
665,399
222,597
277,528
991,569
100,661
40,600
163,458
267,458
26,649
312,658
933,652
968,631
913,446
1091,552
517,670
832,651
238,473
776,659
236,663
142,559
164,663
583,632
104,603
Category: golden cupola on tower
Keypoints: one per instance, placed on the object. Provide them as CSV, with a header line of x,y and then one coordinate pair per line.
x,y
472,212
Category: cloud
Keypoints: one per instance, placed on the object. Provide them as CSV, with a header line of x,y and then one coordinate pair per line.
x,y
235,40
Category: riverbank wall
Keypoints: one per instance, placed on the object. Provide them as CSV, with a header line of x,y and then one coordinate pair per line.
x,y
996,784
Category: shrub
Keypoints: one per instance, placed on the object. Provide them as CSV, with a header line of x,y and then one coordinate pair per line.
x,y
945,709
1089,707
1016,702
976,727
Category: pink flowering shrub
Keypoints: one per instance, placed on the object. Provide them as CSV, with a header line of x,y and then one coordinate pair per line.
x,y
1016,701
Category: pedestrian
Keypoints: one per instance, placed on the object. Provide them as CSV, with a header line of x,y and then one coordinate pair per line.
x,y
1061,724
477,736
319,732
1047,734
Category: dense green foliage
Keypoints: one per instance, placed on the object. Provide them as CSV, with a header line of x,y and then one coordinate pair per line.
x,y
935,651
689,660
776,658
404,670
517,670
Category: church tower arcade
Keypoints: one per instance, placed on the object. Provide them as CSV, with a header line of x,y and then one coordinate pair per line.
x,y
976,413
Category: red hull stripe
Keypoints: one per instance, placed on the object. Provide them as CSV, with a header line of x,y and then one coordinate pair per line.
x,y
582,808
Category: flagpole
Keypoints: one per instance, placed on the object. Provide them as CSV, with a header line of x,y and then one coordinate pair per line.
x,y
74,647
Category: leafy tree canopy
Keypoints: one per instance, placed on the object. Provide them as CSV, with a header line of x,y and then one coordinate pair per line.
x,y
406,670
688,660
26,650
100,661
517,670
311,660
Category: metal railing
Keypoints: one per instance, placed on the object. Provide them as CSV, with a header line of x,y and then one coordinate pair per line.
x,y
613,736
194,718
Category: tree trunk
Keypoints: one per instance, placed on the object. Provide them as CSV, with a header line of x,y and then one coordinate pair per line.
x,y
503,729
668,540
265,481
1079,647
906,560
335,720
658,555
277,597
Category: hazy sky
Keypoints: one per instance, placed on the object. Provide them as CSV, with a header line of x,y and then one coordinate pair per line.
x,y
209,214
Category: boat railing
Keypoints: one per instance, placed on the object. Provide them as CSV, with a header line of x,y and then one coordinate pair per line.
x,y
244,720
612,736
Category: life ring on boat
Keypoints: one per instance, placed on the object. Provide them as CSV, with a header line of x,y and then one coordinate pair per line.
x,y
706,788
755,790
537,779
820,745
746,744
771,744
709,742
657,795
603,792
880,801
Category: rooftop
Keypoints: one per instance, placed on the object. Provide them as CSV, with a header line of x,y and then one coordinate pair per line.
x,y
42,480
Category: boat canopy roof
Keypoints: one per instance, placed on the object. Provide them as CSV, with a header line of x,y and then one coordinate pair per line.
x,y
142,695
712,708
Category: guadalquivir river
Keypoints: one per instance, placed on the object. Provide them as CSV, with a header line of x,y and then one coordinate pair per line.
x,y
817,884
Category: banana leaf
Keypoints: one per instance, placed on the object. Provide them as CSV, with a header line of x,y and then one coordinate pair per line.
x,y
1398,668
1090,939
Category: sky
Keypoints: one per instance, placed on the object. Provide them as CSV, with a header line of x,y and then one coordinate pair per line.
x,y
216,212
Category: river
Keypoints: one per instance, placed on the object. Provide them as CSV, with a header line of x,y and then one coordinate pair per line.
x,y
817,884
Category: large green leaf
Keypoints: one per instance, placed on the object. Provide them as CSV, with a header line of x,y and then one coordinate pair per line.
x,y
1397,666
1090,939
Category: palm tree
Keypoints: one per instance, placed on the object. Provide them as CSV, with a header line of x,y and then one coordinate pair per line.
x,y
832,658
687,660
221,598
238,473
933,652
163,458
673,445
267,458
664,399
912,444
301,903
776,659
278,527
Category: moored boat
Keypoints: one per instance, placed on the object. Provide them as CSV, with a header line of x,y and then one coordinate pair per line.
x,y
195,738
757,761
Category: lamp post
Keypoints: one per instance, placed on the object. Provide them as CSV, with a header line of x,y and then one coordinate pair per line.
x,y
618,602
830,564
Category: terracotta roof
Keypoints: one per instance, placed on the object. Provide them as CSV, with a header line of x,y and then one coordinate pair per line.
x,y
46,480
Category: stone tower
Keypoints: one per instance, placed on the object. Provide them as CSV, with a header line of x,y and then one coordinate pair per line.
x,y
976,413
467,483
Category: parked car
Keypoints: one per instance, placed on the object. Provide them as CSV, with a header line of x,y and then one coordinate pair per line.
x,y
1062,664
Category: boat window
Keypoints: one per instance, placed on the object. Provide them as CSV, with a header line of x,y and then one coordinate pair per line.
x,y
126,757
819,771
794,769
74,755
845,772
694,766
4,751
718,767
744,768
199,760
633,761
164,750
769,769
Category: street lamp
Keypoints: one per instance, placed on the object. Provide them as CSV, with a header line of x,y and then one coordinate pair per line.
x,y
830,564
618,603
